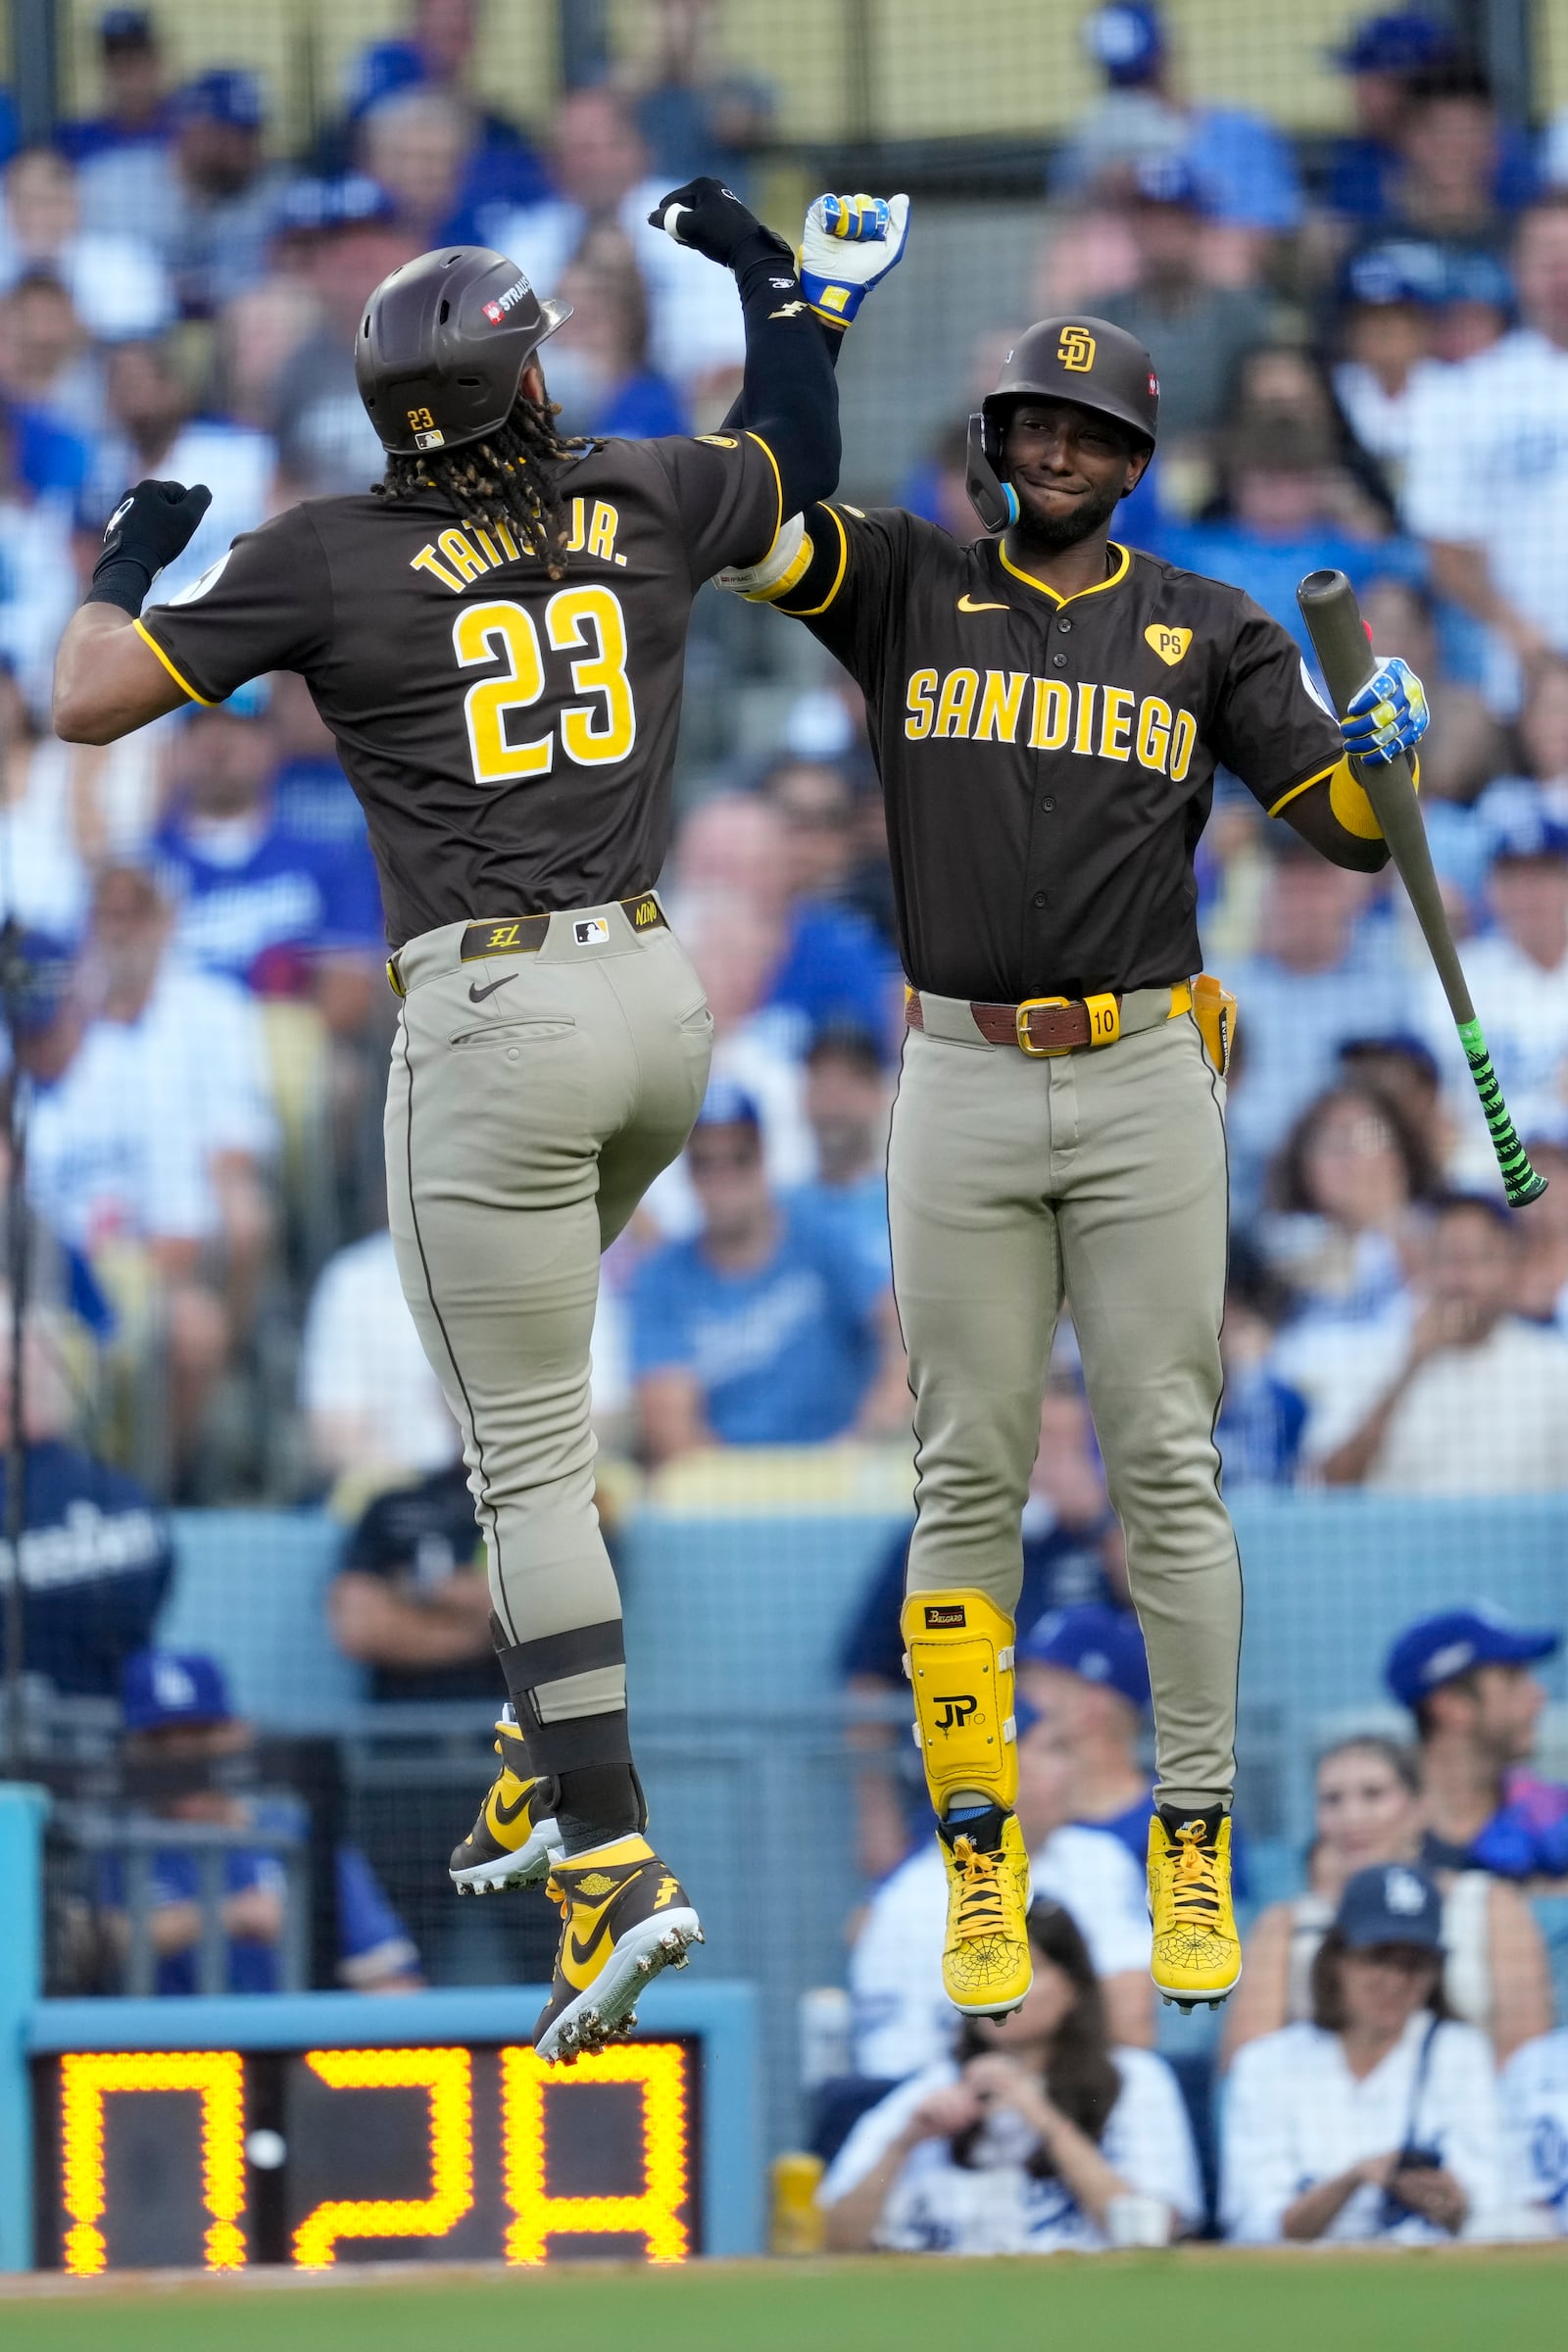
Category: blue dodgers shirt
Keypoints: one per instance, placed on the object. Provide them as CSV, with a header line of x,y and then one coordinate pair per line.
x,y
784,1355
255,919
96,1559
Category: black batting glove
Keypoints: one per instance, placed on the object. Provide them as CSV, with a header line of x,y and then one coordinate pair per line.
x,y
152,524
711,219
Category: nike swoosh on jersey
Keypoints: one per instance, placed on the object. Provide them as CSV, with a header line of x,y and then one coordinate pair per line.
x,y
477,995
964,605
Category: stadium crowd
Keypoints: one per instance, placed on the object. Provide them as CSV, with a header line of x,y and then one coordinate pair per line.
x,y
1363,356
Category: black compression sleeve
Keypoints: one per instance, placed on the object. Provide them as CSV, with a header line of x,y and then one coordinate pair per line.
x,y
789,397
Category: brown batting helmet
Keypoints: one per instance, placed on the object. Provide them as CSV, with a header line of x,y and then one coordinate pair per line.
x,y
443,344
1088,361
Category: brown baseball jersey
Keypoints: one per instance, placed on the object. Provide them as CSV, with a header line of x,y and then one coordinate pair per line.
x,y
1048,763
511,737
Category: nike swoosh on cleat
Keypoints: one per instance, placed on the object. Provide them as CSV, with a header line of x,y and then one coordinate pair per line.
x,y
965,606
582,1953
507,1814
477,995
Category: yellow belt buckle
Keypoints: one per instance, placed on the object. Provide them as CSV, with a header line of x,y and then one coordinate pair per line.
x,y
1020,1028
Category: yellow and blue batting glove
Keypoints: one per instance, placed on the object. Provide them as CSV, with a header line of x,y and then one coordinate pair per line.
x,y
1387,717
849,245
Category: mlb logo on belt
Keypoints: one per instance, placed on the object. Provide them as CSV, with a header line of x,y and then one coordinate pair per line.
x,y
592,932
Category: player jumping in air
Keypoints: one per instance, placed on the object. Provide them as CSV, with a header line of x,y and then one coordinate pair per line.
x,y
1047,712
494,637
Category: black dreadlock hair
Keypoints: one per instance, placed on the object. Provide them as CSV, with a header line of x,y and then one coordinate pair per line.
x,y
510,477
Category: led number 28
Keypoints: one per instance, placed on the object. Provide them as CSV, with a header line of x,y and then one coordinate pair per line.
x,y
587,621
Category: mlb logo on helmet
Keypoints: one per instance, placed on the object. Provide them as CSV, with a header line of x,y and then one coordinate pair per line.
x,y
494,313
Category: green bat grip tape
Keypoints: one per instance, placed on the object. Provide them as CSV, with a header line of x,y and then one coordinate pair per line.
x,y
1519,1179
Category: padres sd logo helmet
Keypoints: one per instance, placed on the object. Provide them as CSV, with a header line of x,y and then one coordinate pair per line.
x,y
1089,361
443,344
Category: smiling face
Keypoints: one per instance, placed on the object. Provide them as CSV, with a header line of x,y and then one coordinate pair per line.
x,y
1365,1812
1070,468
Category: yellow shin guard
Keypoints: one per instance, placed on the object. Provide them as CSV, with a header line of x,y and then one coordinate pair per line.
x,y
958,1658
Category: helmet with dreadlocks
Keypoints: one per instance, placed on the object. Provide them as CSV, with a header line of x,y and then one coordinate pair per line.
x,y
439,359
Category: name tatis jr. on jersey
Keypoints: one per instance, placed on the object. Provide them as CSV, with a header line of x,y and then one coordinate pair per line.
x,y
459,556
1048,714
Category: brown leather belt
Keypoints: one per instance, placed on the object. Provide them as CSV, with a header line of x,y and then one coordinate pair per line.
x,y
1045,1026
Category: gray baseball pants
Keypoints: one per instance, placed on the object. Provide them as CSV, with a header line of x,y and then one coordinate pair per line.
x,y
1099,1177
532,1100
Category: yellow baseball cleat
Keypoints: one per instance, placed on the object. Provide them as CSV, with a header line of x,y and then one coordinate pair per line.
x,y
515,1839
1197,1958
986,1968
624,1919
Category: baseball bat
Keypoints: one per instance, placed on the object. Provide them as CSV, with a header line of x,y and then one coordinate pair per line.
x,y
1338,634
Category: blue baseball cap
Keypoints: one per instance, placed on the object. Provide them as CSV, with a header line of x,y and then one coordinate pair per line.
x,y
1099,1645
1128,42
160,1686
726,1105
226,95
383,70
1524,832
1169,180
126,28
1437,1650
313,206
1403,41
1397,269
1393,1902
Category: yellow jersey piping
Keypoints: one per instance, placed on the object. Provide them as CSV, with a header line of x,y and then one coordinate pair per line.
x,y
1112,579
184,684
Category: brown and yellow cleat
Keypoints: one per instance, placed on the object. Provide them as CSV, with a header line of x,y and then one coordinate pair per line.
x,y
514,1839
624,1919
1197,1957
986,1968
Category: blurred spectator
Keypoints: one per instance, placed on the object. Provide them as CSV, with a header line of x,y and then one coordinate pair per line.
x,y
149,1153
1343,1187
767,1327
1261,1415
1026,2141
1464,745
1541,789
600,165
901,2018
1198,332
1085,1669
696,113
436,53
284,914
311,794
135,96
1381,58
412,1597
1073,1554
1388,300
183,1738
113,274
1285,498
372,1406
96,1551
846,1107
1474,1401
206,200
415,146
37,580
1465,1676
1518,976
936,488
43,880
1451,158
1401,1069
1535,2108
1492,503
326,442
1318,976
47,368
153,428
599,367
1243,164
1495,1974
1543,1292
1379,2118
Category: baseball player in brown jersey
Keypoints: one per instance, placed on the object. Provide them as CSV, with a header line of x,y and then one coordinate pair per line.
x,y
494,637
1047,710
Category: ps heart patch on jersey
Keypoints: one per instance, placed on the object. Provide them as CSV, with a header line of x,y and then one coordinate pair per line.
x,y
1168,644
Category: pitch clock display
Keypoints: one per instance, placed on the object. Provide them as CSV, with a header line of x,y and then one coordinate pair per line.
x,y
222,2158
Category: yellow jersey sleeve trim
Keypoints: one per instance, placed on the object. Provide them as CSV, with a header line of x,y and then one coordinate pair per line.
x,y
809,611
1112,579
184,684
1295,791
778,482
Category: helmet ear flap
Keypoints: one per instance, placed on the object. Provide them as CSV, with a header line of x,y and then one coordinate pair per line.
x,y
995,500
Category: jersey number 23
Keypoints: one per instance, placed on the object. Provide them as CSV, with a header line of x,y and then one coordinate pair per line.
x,y
585,622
